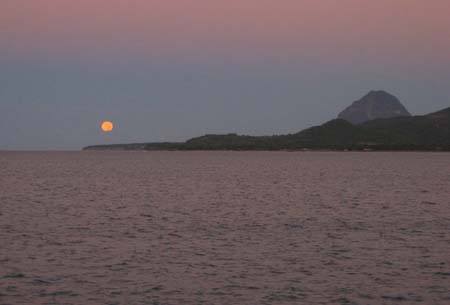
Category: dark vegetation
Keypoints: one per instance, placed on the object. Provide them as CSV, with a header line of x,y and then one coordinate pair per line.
x,y
428,132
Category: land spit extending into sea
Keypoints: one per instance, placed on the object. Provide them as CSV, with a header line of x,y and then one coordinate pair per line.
x,y
429,132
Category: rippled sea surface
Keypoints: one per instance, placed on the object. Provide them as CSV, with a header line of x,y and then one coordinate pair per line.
x,y
224,228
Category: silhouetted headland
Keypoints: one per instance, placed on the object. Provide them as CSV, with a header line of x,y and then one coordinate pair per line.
x,y
378,121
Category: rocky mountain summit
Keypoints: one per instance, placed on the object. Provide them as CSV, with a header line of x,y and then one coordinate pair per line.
x,y
374,105
376,122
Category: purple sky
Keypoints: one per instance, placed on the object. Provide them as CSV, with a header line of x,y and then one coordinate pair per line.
x,y
170,70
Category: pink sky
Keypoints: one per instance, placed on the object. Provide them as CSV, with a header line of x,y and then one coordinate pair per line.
x,y
174,69
285,28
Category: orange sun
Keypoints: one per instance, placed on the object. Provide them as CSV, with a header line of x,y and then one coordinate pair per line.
x,y
107,126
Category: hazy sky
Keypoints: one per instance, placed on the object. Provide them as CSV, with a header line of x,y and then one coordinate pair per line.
x,y
170,70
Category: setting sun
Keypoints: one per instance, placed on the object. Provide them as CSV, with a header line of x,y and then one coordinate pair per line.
x,y
107,126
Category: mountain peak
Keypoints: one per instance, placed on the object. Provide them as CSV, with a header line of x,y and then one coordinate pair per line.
x,y
379,93
377,104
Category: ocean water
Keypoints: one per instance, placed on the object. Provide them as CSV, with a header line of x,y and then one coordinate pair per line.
x,y
224,228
